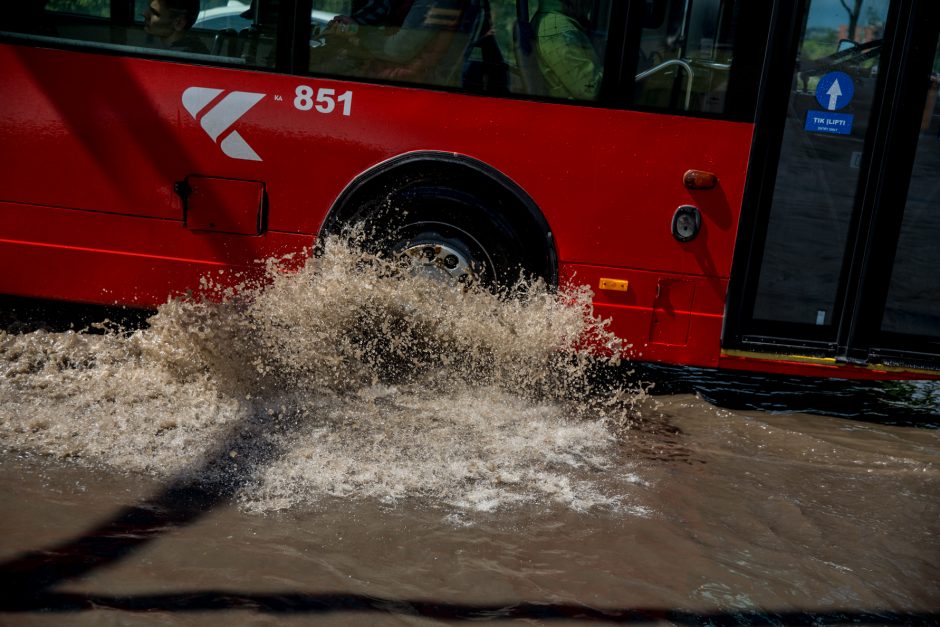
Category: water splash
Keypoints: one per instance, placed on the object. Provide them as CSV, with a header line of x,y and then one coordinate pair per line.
x,y
347,378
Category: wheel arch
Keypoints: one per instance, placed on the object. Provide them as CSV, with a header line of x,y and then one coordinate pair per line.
x,y
459,173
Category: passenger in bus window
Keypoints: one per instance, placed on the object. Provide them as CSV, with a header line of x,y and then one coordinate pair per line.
x,y
565,53
169,21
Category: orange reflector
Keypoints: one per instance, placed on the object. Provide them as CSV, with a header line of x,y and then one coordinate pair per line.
x,y
697,179
614,285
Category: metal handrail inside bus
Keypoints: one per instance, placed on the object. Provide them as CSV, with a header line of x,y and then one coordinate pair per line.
x,y
690,73
711,65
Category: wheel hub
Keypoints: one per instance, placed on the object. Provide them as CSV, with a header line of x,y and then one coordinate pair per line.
x,y
449,261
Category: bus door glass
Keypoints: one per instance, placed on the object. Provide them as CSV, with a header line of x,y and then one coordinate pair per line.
x,y
829,232
818,172
913,299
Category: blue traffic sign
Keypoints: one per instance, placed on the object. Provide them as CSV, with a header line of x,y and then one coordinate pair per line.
x,y
834,91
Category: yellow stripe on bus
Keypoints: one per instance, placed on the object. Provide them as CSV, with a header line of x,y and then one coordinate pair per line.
x,y
824,361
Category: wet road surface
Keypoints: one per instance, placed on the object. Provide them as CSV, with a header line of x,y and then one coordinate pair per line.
x,y
173,476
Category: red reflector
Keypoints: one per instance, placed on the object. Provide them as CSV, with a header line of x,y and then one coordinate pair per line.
x,y
697,179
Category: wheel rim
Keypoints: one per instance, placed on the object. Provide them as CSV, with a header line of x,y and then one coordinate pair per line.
x,y
444,253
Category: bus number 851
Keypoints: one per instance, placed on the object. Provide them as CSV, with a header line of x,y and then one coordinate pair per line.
x,y
325,101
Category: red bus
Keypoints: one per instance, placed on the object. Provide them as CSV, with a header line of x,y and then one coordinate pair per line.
x,y
743,184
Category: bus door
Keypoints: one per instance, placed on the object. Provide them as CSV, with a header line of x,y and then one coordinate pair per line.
x,y
838,256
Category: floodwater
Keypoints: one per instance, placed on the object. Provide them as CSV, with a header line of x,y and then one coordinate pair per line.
x,y
352,446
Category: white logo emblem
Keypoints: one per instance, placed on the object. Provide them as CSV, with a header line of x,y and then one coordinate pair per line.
x,y
220,118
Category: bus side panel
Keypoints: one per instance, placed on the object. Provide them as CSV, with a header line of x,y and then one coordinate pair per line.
x,y
106,133
88,132
113,136
110,259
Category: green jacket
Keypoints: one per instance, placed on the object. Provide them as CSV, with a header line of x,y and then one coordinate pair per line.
x,y
565,54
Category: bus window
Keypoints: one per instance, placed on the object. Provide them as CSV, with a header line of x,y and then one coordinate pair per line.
x,y
417,41
177,29
685,56
552,48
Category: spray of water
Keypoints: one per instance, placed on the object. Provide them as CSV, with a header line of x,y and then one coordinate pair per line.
x,y
347,378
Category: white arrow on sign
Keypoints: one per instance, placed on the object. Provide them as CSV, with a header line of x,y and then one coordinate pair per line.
x,y
834,92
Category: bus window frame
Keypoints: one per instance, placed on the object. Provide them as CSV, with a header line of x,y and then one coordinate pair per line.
x,y
81,45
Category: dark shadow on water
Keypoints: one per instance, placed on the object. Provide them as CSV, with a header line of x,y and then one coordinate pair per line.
x,y
902,403
323,604
25,581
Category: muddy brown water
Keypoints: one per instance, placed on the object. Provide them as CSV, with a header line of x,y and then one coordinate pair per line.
x,y
354,448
